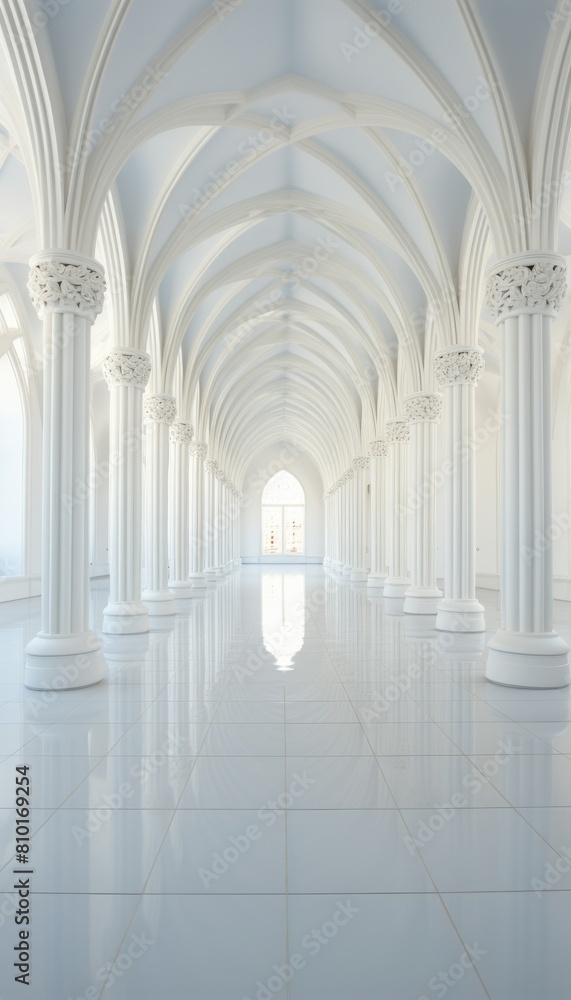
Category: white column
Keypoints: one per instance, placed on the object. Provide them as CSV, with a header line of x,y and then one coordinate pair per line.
x,y
423,411
211,467
160,412
347,521
359,571
180,437
67,291
228,562
126,372
377,576
218,522
338,526
198,452
327,527
524,294
457,370
397,582
237,544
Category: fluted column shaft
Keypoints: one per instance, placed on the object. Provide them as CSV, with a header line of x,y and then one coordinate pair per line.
x,y
457,370
377,576
524,294
422,411
197,451
348,521
210,467
126,372
180,436
218,523
67,291
159,413
359,570
397,581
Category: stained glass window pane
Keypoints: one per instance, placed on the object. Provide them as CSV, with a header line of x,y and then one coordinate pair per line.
x,y
293,530
272,529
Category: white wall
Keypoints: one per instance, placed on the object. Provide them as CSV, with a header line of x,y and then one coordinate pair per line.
x,y
265,465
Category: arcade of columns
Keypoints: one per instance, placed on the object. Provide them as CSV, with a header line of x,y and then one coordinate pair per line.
x,y
192,509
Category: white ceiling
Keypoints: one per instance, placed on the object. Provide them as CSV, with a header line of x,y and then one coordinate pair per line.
x,y
293,211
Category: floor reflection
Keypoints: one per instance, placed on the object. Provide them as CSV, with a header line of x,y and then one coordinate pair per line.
x,y
283,616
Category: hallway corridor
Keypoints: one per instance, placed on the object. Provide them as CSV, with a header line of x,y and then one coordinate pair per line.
x,y
290,764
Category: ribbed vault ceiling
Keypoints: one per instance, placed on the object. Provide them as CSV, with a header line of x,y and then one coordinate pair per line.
x,y
294,199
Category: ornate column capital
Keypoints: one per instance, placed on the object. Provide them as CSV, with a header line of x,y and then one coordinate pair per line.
x,y
397,430
459,364
159,409
361,463
421,406
181,432
526,283
125,366
198,449
379,448
60,281
211,466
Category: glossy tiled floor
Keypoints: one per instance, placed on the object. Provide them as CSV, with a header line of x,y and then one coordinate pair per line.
x,y
292,793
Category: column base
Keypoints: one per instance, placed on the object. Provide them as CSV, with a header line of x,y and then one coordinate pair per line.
x,y
347,570
420,626
64,662
460,616
528,660
180,589
126,648
375,581
159,602
393,605
422,600
359,575
461,647
395,586
198,584
125,618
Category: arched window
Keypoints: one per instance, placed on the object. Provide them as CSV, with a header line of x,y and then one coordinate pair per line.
x,y
283,515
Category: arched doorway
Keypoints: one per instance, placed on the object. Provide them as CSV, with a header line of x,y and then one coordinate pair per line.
x,y
283,516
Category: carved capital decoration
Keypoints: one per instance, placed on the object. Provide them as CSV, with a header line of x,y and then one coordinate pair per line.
x,y
60,282
361,463
529,283
159,409
397,430
127,367
422,406
348,475
379,448
198,449
458,366
211,466
181,432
